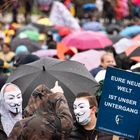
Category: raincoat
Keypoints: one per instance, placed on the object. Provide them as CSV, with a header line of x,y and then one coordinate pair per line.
x,y
47,117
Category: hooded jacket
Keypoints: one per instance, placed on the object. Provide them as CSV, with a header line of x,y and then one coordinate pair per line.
x,y
47,117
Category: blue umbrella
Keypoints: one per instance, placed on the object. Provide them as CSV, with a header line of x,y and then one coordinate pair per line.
x,y
130,31
93,25
89,6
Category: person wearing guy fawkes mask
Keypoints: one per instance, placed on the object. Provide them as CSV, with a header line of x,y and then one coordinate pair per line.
x,y
10,108
84,108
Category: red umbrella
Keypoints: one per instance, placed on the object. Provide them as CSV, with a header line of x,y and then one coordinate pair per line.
x,y
63,30
62,50
84,40
136,38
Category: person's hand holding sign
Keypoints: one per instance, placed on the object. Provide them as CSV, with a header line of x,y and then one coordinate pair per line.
x,y
57,88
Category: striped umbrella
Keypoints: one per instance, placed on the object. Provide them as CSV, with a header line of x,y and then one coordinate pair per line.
x,y
133,52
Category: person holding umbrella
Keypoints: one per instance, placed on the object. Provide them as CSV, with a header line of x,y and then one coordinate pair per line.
x,y
47,116
10,108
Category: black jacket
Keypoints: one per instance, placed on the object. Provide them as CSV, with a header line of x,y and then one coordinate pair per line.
x,y
79,133
3,135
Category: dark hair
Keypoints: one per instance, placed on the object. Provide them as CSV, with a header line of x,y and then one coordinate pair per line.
x,y
92,99
6,45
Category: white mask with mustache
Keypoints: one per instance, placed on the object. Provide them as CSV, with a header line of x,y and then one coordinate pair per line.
x,y
13,101
82,111
10,101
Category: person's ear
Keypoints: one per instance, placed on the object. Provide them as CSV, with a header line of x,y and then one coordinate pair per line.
x,y
94,109
102,63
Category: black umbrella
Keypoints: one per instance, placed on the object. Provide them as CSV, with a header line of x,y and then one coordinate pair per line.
x,y
31,45
72,76
111,28
115,38
43,28
25,28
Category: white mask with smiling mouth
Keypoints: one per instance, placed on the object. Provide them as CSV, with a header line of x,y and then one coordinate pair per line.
x,y
10,107
82,111
13,101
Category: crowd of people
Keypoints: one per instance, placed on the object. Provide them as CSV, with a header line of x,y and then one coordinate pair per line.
x,y
48,115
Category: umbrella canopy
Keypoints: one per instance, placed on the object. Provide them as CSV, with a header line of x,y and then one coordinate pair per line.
x,y
62,51
133,52
122,45
31,45
63,30
42,28
93,26
89,6
44,1
135,55
130,31
31,34
91,58
72,76
27,27
115,38
45,21
136,2
84,40
45,53
111,28
136,38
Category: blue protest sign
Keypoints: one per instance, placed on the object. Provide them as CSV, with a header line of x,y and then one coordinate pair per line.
x,y
119,109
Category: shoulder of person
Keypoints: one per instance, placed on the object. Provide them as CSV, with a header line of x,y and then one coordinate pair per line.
x,y
76,133
3,135
107,136
104,136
